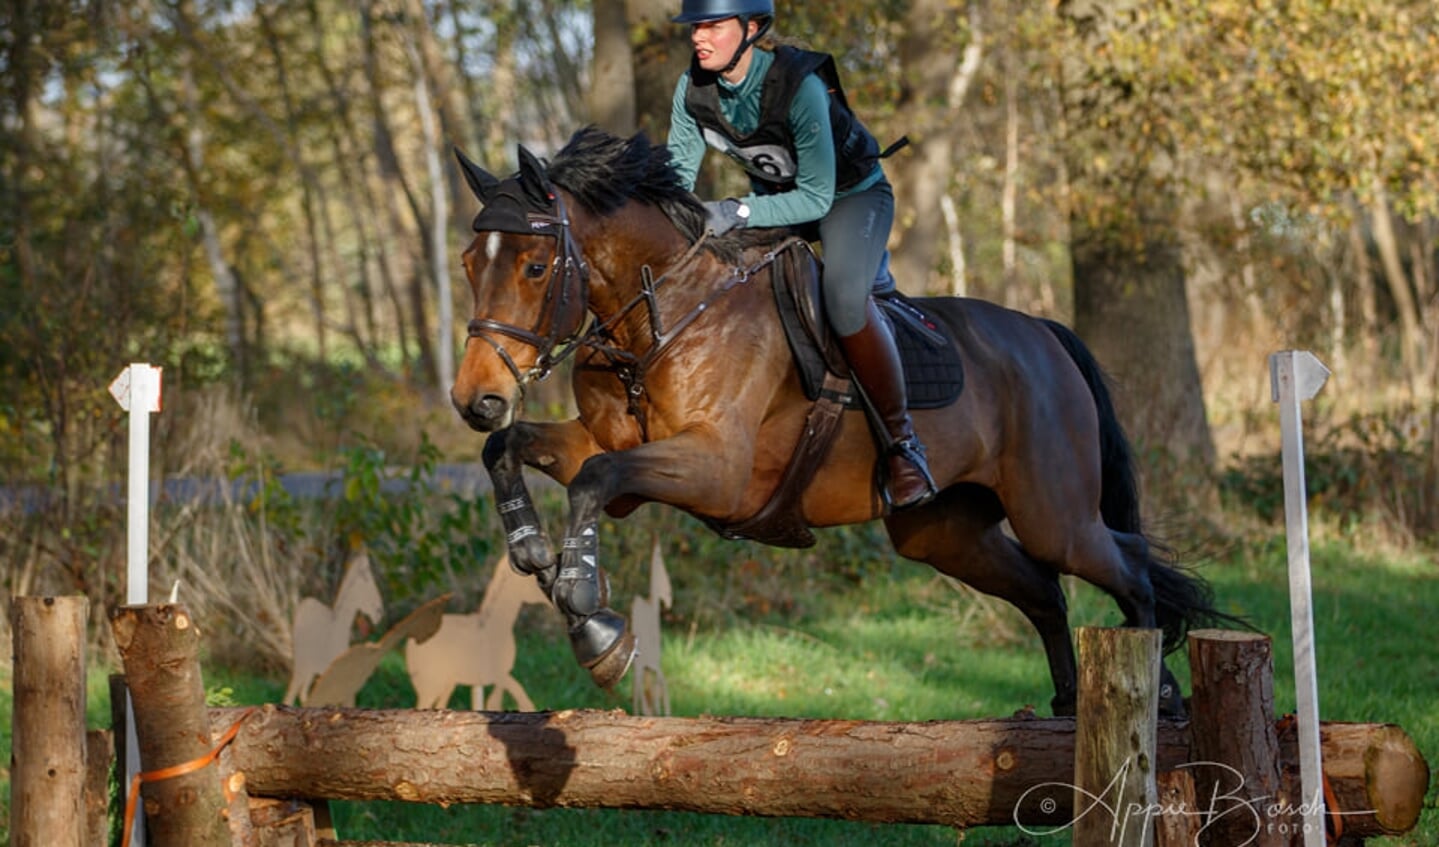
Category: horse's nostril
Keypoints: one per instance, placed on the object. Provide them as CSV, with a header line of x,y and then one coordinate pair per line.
x,y
490,407
484,413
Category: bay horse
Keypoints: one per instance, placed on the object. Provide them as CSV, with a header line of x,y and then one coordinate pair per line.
x,y
688,395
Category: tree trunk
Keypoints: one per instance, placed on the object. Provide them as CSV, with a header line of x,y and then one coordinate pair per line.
x,y
1232,725
504,84
1129,278
315,204
397,189
99,768
445,103
922,175
612,74
1131,310
47,757
160,646
357,194
1176,791
661,54
1008,223
1363,288
438,224
227,289
1114,749
1411,344
957,773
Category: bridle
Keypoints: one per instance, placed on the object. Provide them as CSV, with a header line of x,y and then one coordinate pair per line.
x,y
565,309
560,327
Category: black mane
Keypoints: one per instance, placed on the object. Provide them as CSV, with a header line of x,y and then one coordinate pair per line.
x,y
604,172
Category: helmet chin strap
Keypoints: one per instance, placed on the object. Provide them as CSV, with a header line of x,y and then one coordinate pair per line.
x,y
746,43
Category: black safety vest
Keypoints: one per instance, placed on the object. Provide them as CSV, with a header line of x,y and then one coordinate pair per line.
x,y
768,153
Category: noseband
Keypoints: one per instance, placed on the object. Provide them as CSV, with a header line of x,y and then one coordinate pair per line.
x,y
566,303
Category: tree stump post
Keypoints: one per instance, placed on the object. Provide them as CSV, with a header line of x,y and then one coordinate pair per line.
x,y
1235,745
1115,763
1177,825
99,764
160,646
47,776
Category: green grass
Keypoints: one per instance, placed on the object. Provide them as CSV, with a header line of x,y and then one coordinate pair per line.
x,y
891,641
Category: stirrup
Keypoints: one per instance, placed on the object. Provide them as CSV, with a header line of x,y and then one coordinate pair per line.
x,y
911,450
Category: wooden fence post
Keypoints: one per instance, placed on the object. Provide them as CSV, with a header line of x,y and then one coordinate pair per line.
x,y
1176,825
160,646
47,776
99,765
1115,763
1235,745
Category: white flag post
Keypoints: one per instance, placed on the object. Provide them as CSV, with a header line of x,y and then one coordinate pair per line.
x,y
1296,376
137,389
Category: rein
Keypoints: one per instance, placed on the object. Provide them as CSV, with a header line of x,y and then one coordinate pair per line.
x,y
630,368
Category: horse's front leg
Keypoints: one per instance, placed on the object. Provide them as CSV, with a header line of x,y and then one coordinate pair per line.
x,y
576,585
529,546
687,471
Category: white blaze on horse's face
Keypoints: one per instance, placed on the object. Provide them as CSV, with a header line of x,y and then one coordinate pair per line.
x,y
508,276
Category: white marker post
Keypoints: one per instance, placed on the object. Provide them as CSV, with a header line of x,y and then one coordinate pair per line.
x,y
1296,376
137,389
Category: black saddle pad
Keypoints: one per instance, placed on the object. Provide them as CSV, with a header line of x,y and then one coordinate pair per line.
x,y
933,371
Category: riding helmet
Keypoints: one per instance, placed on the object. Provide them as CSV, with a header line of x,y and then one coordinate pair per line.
x,y
700,11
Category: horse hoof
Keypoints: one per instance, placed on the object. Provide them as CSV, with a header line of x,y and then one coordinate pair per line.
x,y
604,646
612,666
1171,704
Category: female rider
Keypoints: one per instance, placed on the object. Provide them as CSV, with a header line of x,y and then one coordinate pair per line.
x,y
782,115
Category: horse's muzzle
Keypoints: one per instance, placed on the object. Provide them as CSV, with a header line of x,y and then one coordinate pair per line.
x,y
485,413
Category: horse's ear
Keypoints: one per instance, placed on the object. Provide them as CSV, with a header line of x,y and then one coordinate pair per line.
x,y
479,179
534,178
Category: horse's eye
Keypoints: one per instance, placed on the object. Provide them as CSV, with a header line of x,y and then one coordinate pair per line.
x,y
534,270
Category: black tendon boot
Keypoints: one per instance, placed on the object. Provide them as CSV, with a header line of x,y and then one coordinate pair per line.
x,y
874,363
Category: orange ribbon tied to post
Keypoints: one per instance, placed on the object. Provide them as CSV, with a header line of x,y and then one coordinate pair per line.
x,y
178,770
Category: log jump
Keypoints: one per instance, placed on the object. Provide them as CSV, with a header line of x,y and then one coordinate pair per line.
x,y
957,773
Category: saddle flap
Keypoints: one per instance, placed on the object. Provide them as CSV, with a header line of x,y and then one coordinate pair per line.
x,y
934,373
801,306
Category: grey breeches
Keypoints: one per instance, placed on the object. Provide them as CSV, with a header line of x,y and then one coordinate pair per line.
x,y
854,236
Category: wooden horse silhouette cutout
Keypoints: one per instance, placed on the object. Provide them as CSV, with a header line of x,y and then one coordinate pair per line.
x,y
651,695
341,682
321,633
476,649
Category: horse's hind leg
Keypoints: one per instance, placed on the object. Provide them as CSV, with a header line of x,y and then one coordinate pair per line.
x,y
959,534
1119,564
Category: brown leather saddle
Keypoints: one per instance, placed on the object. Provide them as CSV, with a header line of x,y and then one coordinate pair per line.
x,y
934,378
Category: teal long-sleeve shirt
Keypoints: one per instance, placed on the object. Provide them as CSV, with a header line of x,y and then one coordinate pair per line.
x,y
809,124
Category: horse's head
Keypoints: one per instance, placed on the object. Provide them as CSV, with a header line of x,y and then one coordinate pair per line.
x,y
530,291
531,283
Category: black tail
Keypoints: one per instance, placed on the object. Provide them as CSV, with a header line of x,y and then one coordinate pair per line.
x,y
1182,600
1119,493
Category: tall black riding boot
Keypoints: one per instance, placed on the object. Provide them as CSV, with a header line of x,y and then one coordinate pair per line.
x,y
874,363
